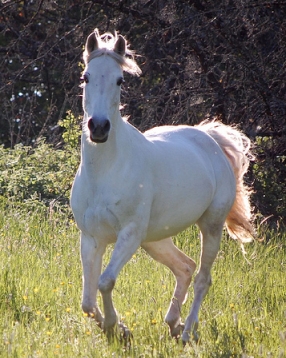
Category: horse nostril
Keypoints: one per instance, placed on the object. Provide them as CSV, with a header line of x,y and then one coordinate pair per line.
x,y
106,125
90,125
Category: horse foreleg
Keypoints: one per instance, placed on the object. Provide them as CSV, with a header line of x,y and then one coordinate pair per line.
x,y
210,242
183,267
91,258
127,243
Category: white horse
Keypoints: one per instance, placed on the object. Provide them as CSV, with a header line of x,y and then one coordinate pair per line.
x,y
140,189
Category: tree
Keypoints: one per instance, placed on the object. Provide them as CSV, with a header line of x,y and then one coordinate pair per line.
x,y
199,59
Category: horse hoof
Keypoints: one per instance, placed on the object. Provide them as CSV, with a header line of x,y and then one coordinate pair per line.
x,y
177,331
191,335
110,334
125,335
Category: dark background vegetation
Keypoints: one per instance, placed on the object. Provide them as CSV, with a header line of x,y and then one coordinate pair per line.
x,y
199,59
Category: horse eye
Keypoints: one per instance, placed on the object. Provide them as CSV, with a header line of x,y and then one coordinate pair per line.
x,y
84,78
120,81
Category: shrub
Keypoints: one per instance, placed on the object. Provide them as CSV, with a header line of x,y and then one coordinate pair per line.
x,y
41,173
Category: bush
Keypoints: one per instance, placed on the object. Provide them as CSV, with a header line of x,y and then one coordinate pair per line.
x,y
268,174
41,173
198,58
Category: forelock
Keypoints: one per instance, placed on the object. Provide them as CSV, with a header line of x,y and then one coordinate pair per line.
x,y
106,44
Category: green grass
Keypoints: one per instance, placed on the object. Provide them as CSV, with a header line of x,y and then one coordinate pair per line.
x,y
244,314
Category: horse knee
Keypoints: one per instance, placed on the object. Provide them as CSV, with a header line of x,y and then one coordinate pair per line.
x,y
205,280
106,283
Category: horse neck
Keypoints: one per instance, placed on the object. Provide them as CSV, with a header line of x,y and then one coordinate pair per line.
x,y
100,156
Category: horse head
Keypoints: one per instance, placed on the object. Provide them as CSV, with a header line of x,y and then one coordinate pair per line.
x,y
105,60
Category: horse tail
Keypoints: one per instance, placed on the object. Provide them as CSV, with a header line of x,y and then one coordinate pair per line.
x,y
237,148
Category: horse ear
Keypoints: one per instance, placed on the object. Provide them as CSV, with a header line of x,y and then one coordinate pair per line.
x,y
120,46
91,43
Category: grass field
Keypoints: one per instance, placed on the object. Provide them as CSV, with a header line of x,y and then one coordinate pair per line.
x,y
244,314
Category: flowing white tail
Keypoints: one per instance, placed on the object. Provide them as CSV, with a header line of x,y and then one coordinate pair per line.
x,y
237,147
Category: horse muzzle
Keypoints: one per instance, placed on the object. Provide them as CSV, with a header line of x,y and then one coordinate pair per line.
x,y
99,129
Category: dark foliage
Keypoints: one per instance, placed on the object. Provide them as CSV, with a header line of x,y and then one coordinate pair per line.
x,y
199,59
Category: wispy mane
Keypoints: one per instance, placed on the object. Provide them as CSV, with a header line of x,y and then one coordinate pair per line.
x,y
106,44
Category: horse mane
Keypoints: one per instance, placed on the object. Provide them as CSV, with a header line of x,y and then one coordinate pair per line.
x,y
106,43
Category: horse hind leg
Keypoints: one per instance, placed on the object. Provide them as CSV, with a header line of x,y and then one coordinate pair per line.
x,y
211,231
183,267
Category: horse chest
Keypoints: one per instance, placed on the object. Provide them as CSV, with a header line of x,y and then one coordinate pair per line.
x,y
95,210
98,220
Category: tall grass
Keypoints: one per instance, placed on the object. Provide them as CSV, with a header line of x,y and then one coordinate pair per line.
x,y
243,315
